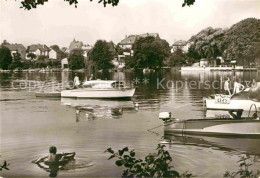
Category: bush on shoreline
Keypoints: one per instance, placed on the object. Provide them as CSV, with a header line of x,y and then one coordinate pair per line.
x,y
159,165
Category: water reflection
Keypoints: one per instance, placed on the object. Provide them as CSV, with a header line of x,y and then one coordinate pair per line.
x,y
91,109
27,120
230,144
55,169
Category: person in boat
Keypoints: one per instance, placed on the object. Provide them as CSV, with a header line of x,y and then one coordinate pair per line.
x,y
238,114
238,87
254,84
226,87
76,81
91,77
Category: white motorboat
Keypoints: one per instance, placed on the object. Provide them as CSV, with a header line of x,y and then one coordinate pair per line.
x,y
242,100
213,126
106,89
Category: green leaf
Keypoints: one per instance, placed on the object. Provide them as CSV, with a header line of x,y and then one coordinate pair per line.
x,y
132,154
110,150
125,149
112,156
119,162
121,152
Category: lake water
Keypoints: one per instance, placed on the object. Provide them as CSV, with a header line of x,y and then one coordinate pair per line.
x,y
30,125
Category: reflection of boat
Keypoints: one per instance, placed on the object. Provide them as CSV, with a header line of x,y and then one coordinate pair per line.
x,y
213,126
97,103
244,145
100,89
94,108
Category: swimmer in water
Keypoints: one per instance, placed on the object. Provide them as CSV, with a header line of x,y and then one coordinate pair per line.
x,y
54,161
54,158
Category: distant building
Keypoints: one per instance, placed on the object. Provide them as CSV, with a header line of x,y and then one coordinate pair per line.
x,y
128,42
38,50
14,48
86,50
53,54
64,63
74,45
180,44
79,45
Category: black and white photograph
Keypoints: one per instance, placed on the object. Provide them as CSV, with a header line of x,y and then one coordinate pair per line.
x,y
130,88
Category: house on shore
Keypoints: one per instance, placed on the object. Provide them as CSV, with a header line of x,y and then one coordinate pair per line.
x,y
86,48
38,50
53,54
180,44
14,48
128,41
74,45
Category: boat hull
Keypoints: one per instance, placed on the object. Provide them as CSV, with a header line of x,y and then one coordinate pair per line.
x,y
221,127
48,94
99,93
230,144
234,104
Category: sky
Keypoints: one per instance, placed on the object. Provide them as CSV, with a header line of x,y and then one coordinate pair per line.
x,y
59,23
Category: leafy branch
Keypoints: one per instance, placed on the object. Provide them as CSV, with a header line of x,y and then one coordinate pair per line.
x,y
154,165
245,163
32,4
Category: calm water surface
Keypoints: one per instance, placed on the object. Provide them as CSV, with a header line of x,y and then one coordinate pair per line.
x,y
30,125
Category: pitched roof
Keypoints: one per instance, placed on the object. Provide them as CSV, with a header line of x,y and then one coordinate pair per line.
x,y
42,48
180,43
129,40
56,50
75,45
15,47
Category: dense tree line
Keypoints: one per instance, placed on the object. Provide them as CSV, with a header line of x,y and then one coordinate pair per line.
x,y
241,42
9,62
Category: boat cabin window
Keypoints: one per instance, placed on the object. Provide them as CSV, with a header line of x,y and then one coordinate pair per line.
x,y
118,85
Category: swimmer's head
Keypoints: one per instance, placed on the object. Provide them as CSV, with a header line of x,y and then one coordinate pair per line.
x,y
53,149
